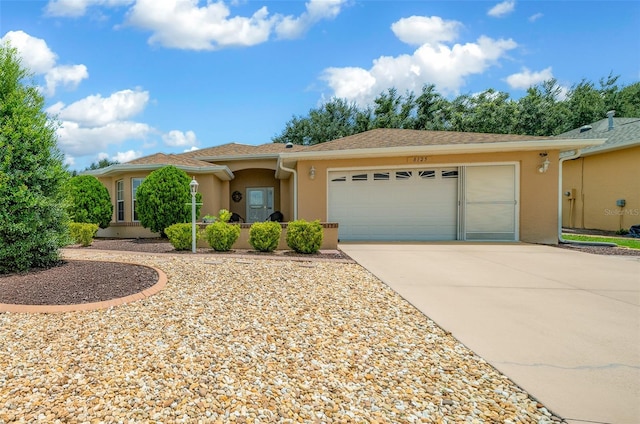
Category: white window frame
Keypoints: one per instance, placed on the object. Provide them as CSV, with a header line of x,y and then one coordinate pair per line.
x,y
134,190
119,200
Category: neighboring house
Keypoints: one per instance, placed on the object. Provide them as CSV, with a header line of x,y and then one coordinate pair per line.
x,y
383,184
601,187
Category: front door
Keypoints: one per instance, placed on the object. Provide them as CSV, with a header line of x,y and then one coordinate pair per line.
x,y
259,203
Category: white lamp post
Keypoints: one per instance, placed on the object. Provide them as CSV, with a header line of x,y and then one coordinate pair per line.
x,y
193,186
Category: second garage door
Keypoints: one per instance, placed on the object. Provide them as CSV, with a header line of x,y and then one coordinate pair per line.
x,y
395,204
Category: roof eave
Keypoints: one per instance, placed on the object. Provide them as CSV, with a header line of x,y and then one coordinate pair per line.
x,y
220,171
550,144
247,156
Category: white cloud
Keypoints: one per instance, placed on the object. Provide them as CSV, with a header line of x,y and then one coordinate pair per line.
x,y
526,78
69,76
502,9
95,122
182,24
434,62
77,8
38,58
177,138
191,149
535,17
83,141
34,52
419,30
95,111
127,156
316,10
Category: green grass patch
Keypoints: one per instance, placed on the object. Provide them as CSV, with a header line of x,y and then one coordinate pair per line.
x,y
620,241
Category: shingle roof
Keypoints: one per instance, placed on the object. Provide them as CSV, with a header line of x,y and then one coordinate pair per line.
x,y
387,137
236,149
163,159
625,133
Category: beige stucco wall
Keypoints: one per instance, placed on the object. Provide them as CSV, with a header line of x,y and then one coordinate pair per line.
x,y
538,192
253,178
598,181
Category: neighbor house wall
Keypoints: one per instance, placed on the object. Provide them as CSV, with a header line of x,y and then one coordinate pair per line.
x,y
538,207
599,180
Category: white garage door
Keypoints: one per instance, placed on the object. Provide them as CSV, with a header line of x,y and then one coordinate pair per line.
x,y
397,204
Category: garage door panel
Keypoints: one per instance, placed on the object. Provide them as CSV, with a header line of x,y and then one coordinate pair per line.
x,y
490,202
394,205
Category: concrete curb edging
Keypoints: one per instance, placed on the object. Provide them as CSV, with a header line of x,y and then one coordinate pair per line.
x,y
158,286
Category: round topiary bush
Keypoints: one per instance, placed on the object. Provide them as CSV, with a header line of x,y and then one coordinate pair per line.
x,y
303,236
221,235
89,201
180,235
265,236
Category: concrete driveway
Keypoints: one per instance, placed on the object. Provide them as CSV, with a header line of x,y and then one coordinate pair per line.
x,y
564,325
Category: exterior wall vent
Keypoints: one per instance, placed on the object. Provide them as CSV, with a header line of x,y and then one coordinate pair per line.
x,y
610,116
585,128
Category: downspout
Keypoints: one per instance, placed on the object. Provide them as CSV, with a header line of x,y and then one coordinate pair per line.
x,y
295,187
560,199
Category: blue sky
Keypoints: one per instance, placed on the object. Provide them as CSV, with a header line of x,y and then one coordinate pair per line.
x,y
128,78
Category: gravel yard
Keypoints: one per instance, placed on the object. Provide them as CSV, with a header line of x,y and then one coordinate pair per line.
x,y
244,339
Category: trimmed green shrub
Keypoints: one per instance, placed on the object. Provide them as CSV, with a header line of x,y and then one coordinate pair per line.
x,y
221,235
303,236
82,233
264,236
164,199
89,201
180,236
33,219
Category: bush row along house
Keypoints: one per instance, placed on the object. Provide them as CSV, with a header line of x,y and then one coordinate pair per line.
x,y
379,185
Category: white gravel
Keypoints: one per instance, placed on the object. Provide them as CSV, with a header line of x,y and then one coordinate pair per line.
x,y
250,341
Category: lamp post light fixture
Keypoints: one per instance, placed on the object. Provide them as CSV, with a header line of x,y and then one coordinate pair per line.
x,y
193,186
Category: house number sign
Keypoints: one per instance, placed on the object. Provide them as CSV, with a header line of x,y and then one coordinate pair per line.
x,y
417,159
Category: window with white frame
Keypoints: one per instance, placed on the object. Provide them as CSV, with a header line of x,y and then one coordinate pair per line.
x,y
120,200
135,183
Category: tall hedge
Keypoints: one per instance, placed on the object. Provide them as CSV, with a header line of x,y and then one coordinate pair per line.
x,y
33,220
89,201
164,199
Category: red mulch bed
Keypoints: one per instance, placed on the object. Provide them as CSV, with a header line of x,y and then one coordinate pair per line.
x,y
75,282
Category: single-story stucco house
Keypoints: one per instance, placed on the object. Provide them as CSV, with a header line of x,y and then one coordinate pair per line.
x,y
383,184
601,184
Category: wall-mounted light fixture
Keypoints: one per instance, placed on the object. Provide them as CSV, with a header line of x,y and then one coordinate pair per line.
x,y
312,173
545,165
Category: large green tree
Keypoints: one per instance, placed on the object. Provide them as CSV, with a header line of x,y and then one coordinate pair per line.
x,y
546,109
89,201
164,199
33,221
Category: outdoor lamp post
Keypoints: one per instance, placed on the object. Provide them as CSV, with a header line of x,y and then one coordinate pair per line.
x,y
193,186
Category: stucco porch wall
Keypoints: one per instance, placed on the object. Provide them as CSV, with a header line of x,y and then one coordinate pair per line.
x,y
134,230
538,192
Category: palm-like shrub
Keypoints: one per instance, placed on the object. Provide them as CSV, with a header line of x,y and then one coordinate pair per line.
x,y
264,236
89,201
164,199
